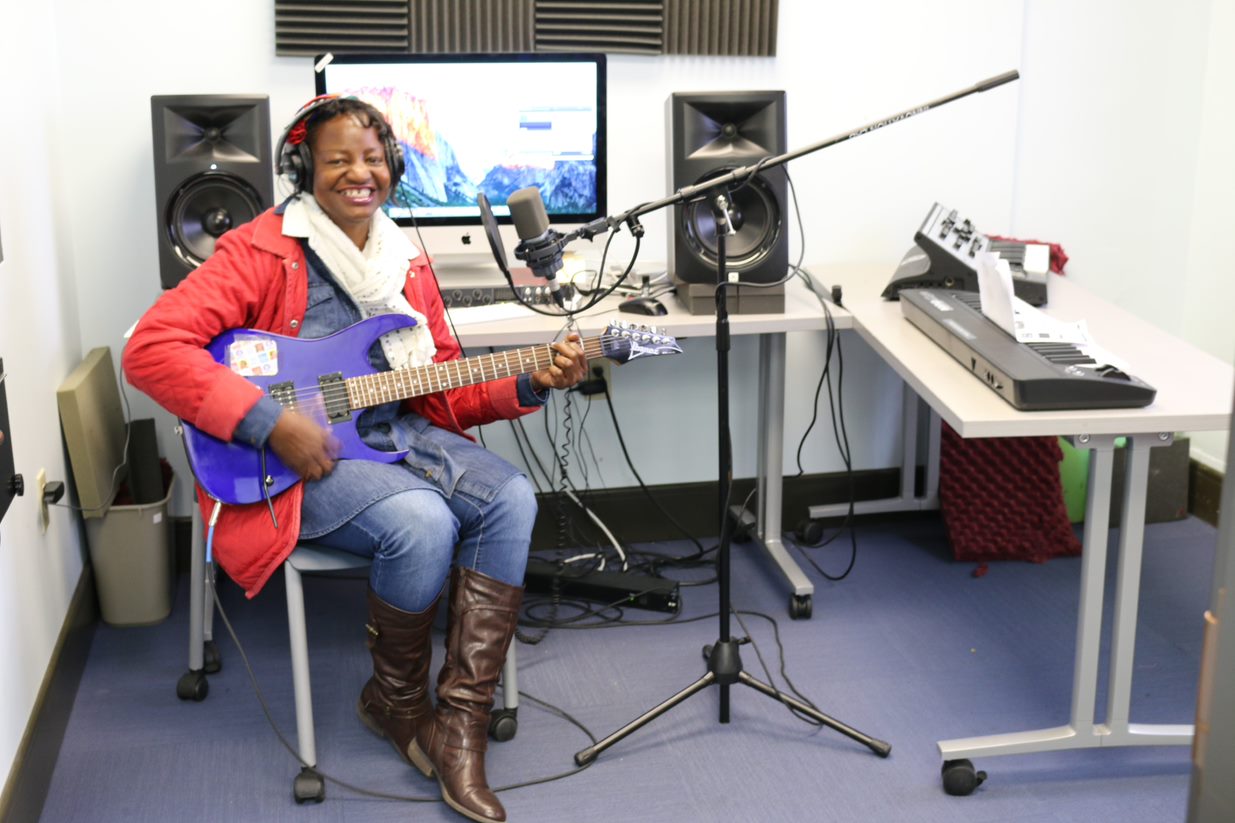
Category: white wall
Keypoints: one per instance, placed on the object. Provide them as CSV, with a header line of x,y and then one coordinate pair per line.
x,y
1124,157
1114,143
40,342
1208,278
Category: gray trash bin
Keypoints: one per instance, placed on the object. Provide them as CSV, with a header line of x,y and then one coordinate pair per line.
x,y
131,551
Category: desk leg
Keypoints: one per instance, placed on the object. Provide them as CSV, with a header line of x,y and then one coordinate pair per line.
x,y
1082,732
770,469
1119,731
907,499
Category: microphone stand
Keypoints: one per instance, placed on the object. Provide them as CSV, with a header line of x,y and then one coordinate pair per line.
x,y
723,661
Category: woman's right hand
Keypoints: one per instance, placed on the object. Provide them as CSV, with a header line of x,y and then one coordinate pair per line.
x,y
304,447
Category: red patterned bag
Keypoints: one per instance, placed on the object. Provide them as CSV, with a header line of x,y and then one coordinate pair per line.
x,y
1002,498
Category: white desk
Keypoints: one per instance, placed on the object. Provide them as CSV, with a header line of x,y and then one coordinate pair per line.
x,y
802,313
1194,394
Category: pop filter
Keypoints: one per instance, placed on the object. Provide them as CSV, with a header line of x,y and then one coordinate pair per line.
x,y
494,235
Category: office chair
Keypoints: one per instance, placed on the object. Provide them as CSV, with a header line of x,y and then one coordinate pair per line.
x,y
307,558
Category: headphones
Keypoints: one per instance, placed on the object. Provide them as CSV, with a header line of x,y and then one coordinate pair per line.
x,y
295,160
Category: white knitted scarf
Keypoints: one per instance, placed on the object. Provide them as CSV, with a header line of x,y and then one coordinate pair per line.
x,y
374,276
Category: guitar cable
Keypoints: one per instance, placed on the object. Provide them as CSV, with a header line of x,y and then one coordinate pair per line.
x,y
265,491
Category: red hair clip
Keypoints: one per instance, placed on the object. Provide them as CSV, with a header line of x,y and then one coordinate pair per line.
x,y
298,134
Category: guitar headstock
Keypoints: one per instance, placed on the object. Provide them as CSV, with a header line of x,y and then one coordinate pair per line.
x,y
623,341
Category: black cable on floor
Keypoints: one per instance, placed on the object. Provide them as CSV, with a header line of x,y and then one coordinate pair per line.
x,y
265,707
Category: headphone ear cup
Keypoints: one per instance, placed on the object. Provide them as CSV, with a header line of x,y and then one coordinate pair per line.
x,y
289,165
394,159
304,167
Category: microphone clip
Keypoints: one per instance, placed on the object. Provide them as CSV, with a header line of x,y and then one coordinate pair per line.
x,y
542,255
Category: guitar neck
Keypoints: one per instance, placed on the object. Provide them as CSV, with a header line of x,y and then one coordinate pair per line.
x,y
400,384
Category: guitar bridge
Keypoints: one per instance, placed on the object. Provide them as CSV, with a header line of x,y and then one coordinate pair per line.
x,y
334,393
284,393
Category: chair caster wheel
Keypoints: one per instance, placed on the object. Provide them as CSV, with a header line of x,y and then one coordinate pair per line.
x,y
503,724
809,532
308,786
212,661
192,685
959,777
800,606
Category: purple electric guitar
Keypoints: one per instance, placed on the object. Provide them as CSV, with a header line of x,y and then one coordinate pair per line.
x,y
330,378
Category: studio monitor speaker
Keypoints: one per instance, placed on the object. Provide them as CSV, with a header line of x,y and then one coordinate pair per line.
x,y
710,134
212,172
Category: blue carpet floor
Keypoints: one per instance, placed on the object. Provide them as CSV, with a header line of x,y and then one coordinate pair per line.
x,y
910,648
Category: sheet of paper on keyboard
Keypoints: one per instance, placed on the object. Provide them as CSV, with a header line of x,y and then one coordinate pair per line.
x,y
995,293
1026,323
1012,314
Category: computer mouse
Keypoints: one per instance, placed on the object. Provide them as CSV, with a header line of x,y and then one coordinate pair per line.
x,y
643,305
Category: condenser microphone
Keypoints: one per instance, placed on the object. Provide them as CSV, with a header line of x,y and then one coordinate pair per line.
x,y
539,246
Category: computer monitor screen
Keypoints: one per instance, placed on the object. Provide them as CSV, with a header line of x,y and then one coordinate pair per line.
x,y
492,123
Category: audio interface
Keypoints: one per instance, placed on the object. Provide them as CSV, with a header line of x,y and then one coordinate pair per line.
x,y
478,288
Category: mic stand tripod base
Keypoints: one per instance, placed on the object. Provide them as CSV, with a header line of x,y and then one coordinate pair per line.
x,y
725,669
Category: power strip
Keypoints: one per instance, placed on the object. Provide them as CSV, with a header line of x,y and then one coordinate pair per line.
x,y
617,588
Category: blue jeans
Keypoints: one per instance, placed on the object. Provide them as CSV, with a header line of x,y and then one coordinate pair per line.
x,y
449,501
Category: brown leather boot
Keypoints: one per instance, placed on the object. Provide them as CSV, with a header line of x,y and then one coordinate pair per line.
x,y
483,616
395,702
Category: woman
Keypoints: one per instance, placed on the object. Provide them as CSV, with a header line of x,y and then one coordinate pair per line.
x,y
321,261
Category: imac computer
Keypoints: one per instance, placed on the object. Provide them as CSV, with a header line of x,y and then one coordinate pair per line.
x,y
492,123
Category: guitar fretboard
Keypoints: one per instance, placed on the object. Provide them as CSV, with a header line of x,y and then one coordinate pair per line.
x,y
400,384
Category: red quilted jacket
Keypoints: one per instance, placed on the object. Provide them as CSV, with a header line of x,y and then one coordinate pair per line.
x,y
256,279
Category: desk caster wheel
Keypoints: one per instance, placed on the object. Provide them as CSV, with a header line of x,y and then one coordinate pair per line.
x,y
212,661
192,685
308,786
800,606
960,779
503,724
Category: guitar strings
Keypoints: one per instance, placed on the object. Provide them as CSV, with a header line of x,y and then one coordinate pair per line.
x,y
338,394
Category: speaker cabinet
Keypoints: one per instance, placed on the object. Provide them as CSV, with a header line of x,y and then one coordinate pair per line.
x,y
710,134
212,172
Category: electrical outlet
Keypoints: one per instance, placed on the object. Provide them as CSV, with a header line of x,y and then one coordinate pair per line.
x,y
40,483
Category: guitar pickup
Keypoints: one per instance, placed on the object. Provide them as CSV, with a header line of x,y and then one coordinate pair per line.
x,y
334,393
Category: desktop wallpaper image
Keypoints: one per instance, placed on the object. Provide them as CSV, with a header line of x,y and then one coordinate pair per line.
x,y
436,175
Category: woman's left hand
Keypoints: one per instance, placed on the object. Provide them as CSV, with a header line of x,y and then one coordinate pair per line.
x,y
569,366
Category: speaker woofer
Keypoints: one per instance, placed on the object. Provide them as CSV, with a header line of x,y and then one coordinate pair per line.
x,y
204,208
756,222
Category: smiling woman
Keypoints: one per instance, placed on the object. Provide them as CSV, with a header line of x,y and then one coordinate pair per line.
x,y
351,178
441,508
